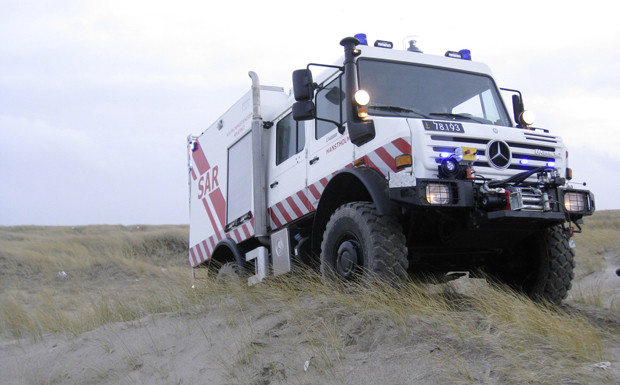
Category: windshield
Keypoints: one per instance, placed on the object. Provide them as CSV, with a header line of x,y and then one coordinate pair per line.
x,y
404,89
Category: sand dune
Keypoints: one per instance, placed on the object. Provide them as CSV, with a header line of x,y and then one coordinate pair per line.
x,y
290,331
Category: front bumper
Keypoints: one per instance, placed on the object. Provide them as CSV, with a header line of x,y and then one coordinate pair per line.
x,y
559,204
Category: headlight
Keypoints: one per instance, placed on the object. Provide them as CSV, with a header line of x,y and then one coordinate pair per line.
x,y
437,194
575,202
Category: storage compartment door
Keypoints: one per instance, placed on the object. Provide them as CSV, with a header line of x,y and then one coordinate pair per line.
x,y
239,201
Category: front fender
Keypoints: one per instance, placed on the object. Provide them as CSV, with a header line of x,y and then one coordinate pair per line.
x,y
355,184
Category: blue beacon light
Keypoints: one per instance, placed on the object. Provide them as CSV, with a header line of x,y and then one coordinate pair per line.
x,y
465,54
362,38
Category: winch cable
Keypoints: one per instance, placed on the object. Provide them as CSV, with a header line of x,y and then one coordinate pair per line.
x,y
517,178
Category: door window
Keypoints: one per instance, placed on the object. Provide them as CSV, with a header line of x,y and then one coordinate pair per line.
x,y
290,138
329,106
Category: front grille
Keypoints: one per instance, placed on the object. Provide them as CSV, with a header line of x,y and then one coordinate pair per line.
x,y
527,155
540,137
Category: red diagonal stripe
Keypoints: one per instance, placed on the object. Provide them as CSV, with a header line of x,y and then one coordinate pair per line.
x,y
213,223
282,211
386,157
293,205
314,191
402,145
202,257
304,199
200,160
274,217
207,250
246,231
192,257
368,162
219,204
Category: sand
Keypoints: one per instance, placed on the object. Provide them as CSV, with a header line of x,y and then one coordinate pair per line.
x,y
265,343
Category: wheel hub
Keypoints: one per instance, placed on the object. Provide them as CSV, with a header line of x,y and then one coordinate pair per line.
x,y
348,258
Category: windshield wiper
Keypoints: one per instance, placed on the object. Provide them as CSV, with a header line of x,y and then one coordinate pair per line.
x,y
396,109
459,116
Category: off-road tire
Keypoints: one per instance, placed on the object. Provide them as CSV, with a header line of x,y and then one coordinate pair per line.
x,y
548,272
229,272
381,246
556,267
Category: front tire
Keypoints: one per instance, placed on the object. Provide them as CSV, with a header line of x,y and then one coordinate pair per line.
x,y
358,242
548,269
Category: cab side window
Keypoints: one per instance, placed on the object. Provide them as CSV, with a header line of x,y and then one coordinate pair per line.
x,y
290,138
329,105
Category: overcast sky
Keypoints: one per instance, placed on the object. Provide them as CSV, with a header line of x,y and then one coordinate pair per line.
x,y
97,97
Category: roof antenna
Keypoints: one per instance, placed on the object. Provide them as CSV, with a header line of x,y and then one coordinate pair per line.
x,y
412,46
411,40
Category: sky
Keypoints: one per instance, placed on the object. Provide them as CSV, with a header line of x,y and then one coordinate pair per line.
x,y
97,97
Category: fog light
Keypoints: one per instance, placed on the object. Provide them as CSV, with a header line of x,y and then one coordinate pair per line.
x,y
437,194
574,202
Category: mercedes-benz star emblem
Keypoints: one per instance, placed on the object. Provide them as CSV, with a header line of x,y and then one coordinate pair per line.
x,y
498,154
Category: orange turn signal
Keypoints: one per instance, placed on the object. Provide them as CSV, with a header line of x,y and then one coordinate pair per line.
x,y
402,161
362,112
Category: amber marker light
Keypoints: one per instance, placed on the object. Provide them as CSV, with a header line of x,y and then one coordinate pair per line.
x,y
403,161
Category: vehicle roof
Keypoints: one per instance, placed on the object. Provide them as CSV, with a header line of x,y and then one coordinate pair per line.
x,y
410,57
424,59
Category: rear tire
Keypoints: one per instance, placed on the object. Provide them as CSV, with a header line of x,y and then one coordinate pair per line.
x,y
358,242
548,269
229,272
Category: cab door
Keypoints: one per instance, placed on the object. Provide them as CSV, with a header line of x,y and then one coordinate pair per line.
x,y
328,150
286,176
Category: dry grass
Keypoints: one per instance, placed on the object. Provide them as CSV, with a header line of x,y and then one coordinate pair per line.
x,y
535,342
601,234
70,280
116,273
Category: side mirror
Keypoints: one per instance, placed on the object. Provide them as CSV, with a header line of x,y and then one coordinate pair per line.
x,y
303,110
303,85
517,107
522,116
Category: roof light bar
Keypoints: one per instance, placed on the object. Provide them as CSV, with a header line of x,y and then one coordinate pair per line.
x,y
463,54
384,44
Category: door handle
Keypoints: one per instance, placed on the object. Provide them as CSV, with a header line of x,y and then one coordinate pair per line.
x,y
274,184
314,160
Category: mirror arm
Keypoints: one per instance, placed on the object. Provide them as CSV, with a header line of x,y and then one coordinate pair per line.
x,y
340,126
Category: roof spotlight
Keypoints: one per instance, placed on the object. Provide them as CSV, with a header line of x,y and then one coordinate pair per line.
x,y
361,97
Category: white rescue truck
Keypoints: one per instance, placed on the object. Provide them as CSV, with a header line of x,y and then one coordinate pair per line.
x,y
389,163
